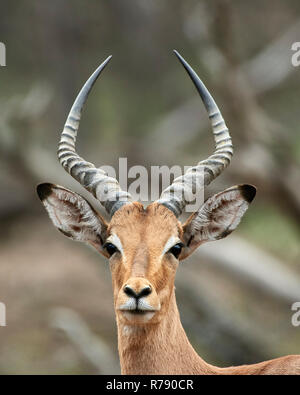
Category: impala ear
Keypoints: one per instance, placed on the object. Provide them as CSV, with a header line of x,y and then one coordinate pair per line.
x,y
72,215
218,217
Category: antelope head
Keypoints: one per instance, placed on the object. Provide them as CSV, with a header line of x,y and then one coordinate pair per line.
x,y
144,246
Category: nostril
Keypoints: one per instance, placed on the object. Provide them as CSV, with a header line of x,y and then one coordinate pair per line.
x,y
145,291
129,291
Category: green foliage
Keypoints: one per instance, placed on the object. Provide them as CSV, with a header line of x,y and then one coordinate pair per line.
x,y
270,228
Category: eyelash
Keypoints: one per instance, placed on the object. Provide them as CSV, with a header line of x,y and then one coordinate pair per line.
x,y
110,248
176,251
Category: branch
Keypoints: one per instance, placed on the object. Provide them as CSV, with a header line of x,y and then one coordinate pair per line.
x,y
92,347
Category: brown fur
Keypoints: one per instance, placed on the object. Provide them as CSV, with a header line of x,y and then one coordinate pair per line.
x,y
151,339
160,346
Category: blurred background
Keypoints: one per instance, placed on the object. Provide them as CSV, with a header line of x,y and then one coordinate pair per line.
x,y
234,295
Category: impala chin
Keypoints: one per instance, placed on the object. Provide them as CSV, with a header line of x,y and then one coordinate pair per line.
x,y
138,317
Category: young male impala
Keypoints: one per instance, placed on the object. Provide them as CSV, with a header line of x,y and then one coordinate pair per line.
x,y
144,246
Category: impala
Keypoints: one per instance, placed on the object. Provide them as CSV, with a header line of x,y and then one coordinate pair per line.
x,y
144,245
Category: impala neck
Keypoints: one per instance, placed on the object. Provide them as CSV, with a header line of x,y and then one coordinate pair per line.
x,y
161,348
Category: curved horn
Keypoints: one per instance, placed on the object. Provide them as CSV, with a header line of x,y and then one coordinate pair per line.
x,y
106,189
175,197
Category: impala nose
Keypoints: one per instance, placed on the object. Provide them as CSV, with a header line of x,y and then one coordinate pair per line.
x,y
129,291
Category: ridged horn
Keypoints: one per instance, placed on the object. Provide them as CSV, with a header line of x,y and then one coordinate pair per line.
x,y
176,196
106,189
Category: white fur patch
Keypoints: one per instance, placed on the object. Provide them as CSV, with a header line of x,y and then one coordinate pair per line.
x,y
115,240
72,215
130,304
143,305
170,243
128,330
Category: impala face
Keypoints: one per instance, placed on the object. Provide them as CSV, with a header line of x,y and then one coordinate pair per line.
x,y
144,246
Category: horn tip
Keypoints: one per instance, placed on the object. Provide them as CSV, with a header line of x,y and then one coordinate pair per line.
x,y
102,65
106,61
183,62
177,53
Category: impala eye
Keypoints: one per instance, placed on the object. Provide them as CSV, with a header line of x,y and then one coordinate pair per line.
x,y
176,250
110,248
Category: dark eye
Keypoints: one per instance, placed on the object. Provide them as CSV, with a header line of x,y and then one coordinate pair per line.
x,y
176,250
110,248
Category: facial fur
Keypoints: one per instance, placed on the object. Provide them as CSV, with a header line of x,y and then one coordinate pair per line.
x,y
143,260
144,245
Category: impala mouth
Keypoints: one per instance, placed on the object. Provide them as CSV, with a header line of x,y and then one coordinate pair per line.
x,y
138,311
140,306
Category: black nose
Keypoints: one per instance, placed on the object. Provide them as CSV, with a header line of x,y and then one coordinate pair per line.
x,y
143,292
